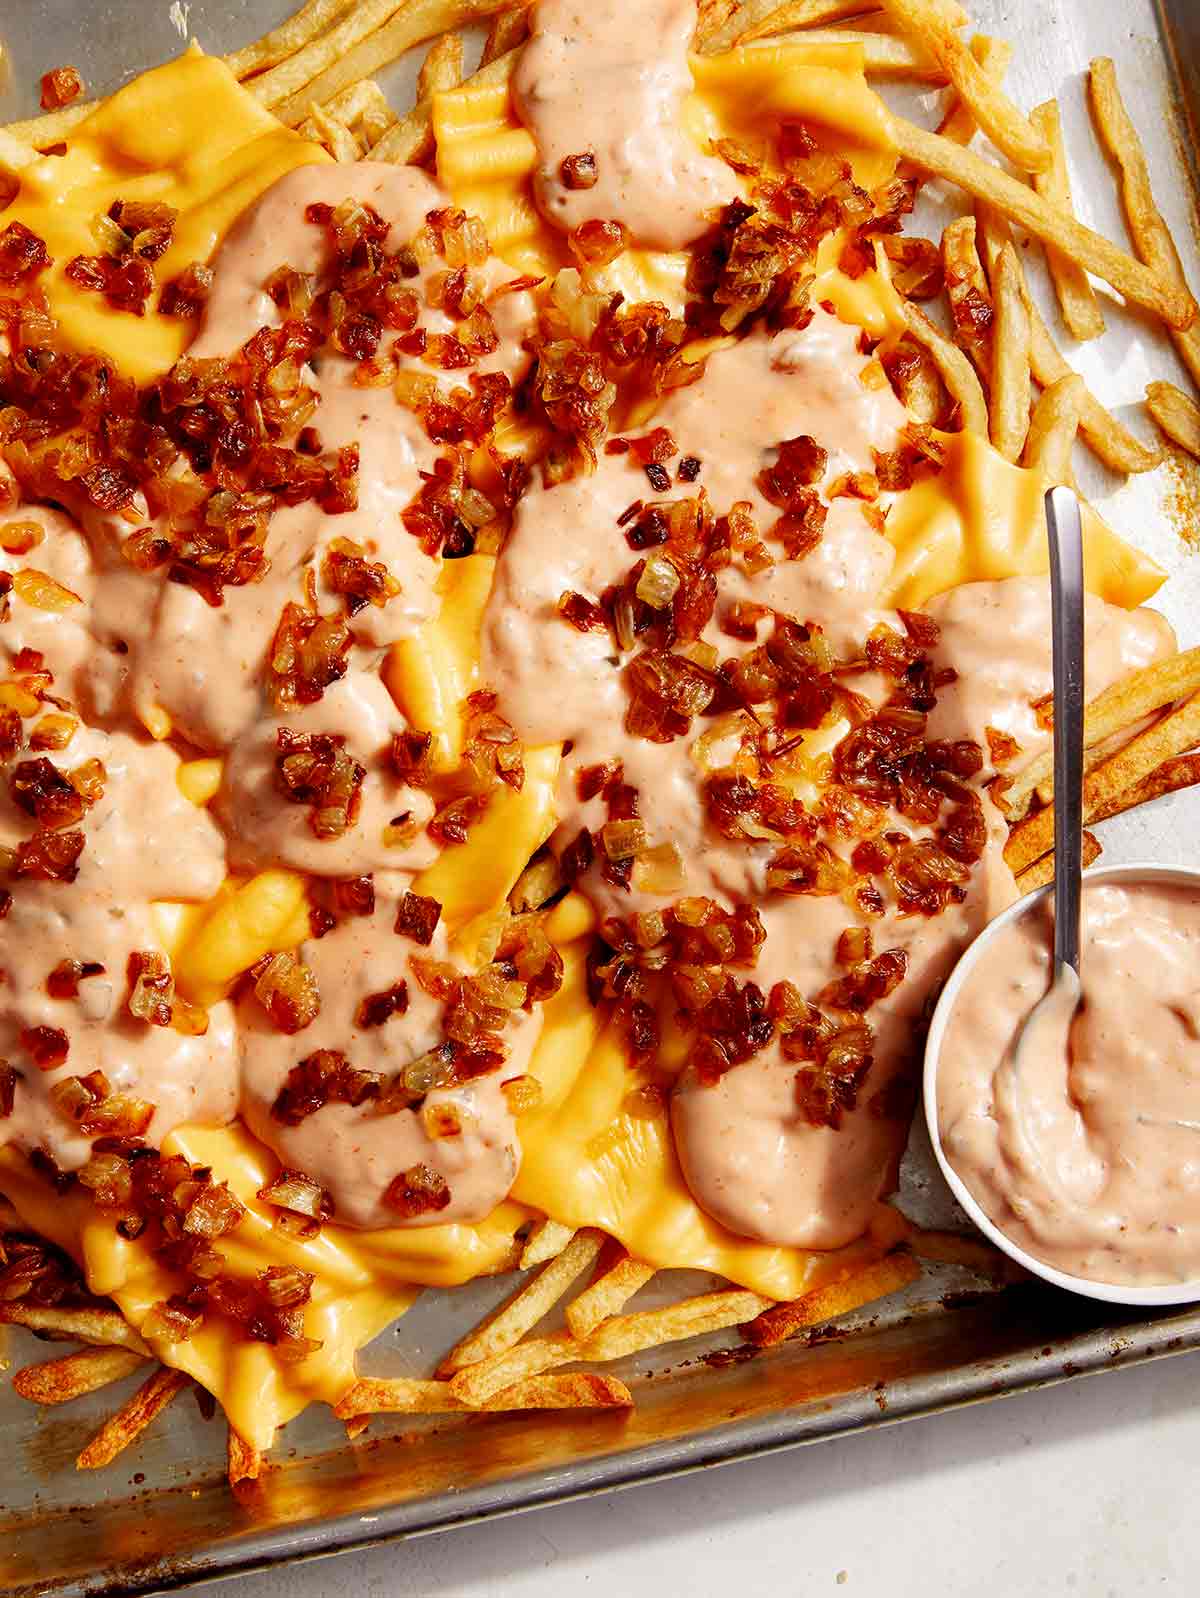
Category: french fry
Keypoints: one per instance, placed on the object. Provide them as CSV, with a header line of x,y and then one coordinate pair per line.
x,y
103,1327
1108,440
507,1325
884,56
1131,764
300,29
985,181
51,127
953,367
242,1462
606,1296
967,290
622,1335
283,82
994,113
1076,297
15,154
507,31
58,1381
1176,414
993,56
131,1420
1150,234
1042,871
364,107
442,66
340,62
913,374
547,1240
475,1384
757,19
1052,429
1009,410
1117,708
782,1321
1181,772
332,132
407,1395
411,140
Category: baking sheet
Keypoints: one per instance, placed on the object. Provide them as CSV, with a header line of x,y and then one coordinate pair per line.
x,y
163,1515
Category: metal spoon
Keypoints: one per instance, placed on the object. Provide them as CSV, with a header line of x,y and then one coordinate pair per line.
x,y
1051,1016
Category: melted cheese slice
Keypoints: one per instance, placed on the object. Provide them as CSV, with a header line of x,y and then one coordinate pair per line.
x,y
185,135
981,519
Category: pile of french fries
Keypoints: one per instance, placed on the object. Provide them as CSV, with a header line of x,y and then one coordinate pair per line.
x,y
1010,383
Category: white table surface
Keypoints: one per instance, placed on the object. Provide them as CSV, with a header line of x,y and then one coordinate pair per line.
x,y
1088,1489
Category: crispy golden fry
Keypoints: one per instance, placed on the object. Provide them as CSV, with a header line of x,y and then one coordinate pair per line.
x,y
15,154
1042,871
343,61
332,132
407,1395
131,1420
546,1241
756,19
506,1326
954,368
1052,429
476,1384
291,36
51,127
442,66
289,77
1118,708
1011,132
1009,412
1109,441
607,1295
1131,765
1150,234
993,56
884,1276
650,1328
1176,414
508,30
103,1327
916,382
58,1381
243,1463
967,290
884,56
364,107
1181,772
411,140
1076,297
988,182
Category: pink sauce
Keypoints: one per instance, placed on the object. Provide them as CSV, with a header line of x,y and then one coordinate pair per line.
x,y
1088,1155
134,645
599,80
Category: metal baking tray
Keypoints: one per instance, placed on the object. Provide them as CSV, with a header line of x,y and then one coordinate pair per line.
x,y
164,1517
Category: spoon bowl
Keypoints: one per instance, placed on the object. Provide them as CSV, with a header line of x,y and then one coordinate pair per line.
x,y
976,954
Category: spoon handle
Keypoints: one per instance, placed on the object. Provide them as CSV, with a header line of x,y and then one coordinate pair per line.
x,y
1066,594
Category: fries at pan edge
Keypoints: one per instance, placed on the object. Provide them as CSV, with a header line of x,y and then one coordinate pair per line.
x,y
997,374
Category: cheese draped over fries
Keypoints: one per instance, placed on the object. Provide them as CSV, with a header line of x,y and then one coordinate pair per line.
x,y
188,136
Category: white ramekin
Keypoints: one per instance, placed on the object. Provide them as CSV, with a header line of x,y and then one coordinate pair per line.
x,y
1111,1292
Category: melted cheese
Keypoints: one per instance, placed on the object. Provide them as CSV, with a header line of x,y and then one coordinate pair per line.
x,y
185,135
981,518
